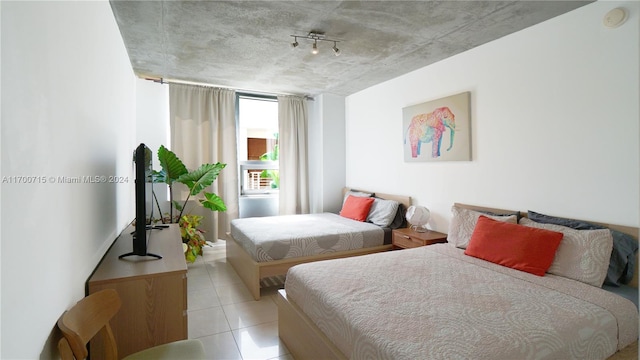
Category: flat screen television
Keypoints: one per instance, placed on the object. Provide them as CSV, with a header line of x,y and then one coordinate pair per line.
x,y
142,158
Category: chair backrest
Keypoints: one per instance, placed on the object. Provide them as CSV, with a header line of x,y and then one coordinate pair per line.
x,y
85,320
65,349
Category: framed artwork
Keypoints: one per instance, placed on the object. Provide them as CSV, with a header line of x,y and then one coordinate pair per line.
x,y
438,130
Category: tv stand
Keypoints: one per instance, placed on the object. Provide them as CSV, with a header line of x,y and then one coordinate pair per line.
x,y
150,227
153,293
133,234
134,254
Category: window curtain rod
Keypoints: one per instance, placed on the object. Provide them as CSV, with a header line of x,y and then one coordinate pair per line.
x,y
242,91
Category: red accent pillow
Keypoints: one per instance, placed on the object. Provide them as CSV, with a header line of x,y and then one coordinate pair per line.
x,y
356,207
515,246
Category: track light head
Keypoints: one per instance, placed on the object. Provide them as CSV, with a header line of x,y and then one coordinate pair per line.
x,y
335,49
295,44
314,48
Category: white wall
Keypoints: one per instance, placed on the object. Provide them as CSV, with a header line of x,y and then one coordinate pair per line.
x,y
68,95
152,116
152,127
314,146
0,177
326,152
554,123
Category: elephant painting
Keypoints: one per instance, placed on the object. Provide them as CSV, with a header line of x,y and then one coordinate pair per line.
x,y
430,127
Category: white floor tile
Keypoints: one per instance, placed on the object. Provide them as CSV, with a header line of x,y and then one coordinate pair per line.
x,y
260,342
196,269
224,316
214,255
207,322
221,346
233,293
250,313
223,274
198,282
202,299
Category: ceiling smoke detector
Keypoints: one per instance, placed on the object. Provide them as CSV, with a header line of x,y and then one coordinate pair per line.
x,y
615,18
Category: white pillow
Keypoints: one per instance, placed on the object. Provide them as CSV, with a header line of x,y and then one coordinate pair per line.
x,y
582,255
382,212
464,222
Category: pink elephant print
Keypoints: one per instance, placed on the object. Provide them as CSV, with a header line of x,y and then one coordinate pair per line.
x,y
430,127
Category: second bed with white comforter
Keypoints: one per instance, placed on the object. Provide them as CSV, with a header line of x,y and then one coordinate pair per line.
x,y
435,302
290,236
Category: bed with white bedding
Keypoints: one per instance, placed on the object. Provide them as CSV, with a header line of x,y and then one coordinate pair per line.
x,y
264,247
309,234
436,302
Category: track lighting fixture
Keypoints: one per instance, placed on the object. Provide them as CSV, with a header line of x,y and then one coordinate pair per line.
x,y
335,49
315,36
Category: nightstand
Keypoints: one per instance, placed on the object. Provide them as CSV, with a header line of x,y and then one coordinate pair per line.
x,y
406,238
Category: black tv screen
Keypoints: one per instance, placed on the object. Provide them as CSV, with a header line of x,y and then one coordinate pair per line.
x,y
142,158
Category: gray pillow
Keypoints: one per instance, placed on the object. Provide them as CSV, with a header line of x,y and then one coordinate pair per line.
x,y
399,221
355,193
623,257
382,212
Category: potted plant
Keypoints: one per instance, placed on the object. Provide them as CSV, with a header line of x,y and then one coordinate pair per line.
x,y
174,171
192,238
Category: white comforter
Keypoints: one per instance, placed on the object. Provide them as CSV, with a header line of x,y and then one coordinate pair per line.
x,y
289,236
435,302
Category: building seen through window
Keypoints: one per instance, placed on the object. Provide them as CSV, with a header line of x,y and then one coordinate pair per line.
x,y
258,145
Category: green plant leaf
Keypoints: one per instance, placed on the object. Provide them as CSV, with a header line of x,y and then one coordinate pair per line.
x,y
177,205
159,176
213,202
172,166
191,220
189,256
271,155
199,179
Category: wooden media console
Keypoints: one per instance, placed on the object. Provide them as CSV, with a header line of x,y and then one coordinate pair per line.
x,y
153,292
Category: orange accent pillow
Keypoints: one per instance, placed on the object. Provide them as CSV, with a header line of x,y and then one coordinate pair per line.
x,y
356,207
515,246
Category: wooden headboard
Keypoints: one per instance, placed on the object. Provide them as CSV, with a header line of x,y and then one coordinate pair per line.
x,y
404,200
630,230
493,210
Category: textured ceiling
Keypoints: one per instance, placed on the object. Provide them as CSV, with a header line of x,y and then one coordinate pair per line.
x,y
246,44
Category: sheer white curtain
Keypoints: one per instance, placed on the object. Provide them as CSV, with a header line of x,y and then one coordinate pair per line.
x,y
294,174
203,130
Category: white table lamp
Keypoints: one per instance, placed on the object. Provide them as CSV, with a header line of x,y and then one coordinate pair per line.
x,y
418,217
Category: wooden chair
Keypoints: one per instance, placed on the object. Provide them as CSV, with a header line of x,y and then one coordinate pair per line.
x,y
91,316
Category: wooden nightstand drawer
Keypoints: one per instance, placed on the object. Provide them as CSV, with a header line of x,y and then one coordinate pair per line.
x,y
407,238
406,241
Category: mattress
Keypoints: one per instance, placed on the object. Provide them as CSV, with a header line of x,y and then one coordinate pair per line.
x,y
434,302
625,291
289,236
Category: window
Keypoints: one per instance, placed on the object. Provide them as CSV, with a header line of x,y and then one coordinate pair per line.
x,y
258,144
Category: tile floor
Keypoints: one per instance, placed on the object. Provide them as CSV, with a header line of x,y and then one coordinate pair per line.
x,y
231,325
224,316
